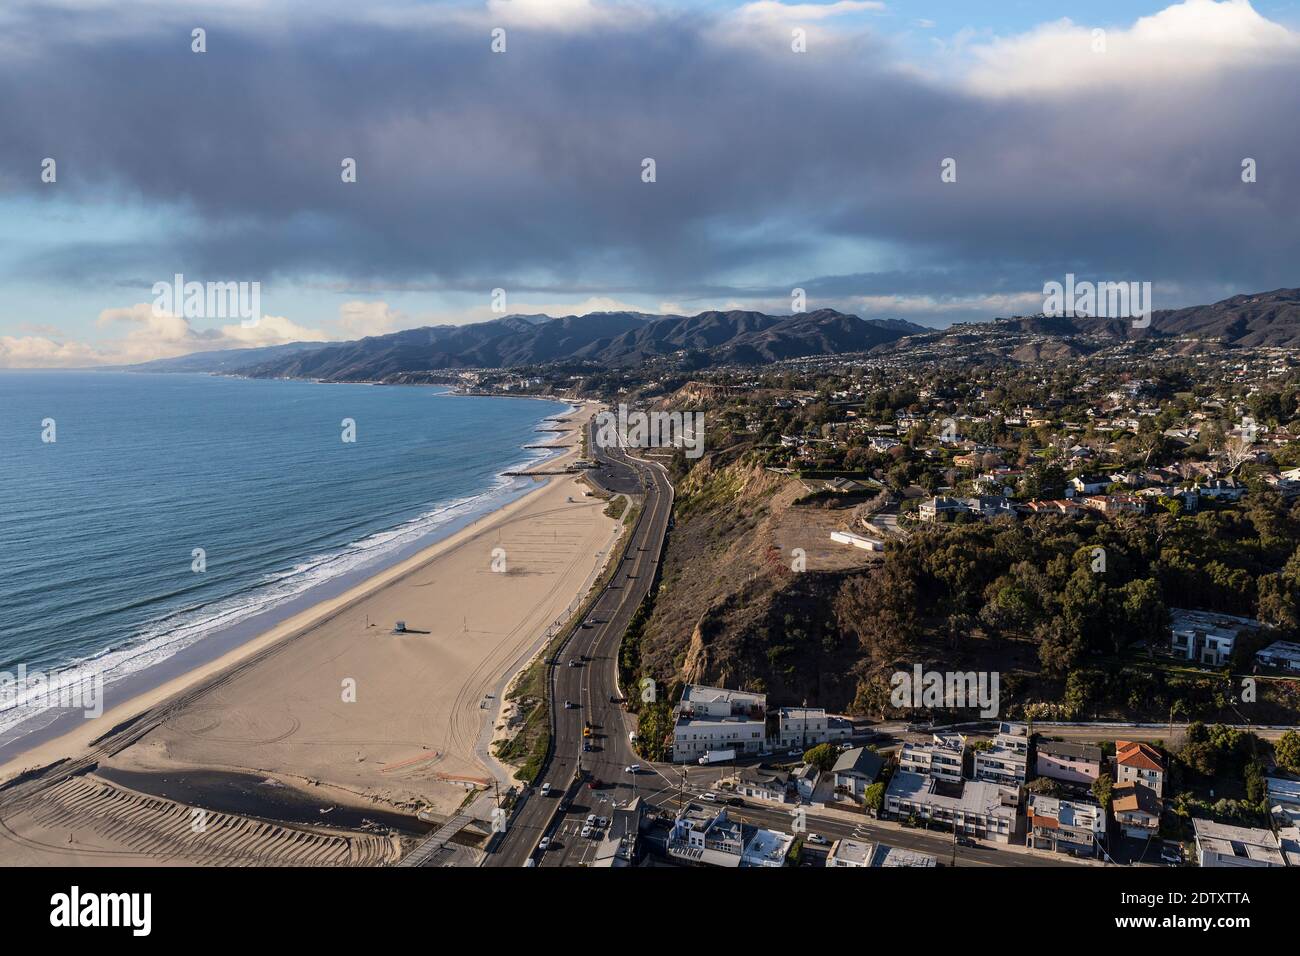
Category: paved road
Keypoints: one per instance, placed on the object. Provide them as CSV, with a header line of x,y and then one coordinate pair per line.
x,y
592,685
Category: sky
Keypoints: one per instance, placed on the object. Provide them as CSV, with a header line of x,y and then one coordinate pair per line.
x,y
1103,138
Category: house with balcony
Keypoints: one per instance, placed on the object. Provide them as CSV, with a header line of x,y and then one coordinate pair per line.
x,y
943,758
1206,637
1006,763
1136,809
1137,762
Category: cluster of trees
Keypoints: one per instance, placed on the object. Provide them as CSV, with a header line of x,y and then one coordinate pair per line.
x,y
1083,590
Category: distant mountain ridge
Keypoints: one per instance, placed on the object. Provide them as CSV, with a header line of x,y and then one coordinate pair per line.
x,y
609,338
734,337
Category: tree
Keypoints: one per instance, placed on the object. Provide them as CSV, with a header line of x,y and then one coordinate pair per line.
x,y
1045,786
1287,751
1101,789
874,798
823,757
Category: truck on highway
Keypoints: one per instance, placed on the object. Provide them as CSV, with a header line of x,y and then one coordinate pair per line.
x,y
717,756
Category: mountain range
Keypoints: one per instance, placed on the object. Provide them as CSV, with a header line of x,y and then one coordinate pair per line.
x,y
735,337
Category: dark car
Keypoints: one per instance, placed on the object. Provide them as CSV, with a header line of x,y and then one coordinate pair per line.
x,y
734,802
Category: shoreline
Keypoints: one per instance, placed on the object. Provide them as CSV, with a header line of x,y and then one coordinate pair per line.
x,y
69,735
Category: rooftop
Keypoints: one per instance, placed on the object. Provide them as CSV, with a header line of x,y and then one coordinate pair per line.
x,y
1250,843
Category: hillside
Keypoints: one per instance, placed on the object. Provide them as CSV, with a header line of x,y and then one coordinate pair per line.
x,y
605,338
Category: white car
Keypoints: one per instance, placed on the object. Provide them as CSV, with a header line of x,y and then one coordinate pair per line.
x,y
530,862
632,768
546,789
710,796
818,839
591,819
587,831
544,845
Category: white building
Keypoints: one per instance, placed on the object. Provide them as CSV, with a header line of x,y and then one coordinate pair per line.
x,y
802,727
972,807
1006,763
713,718
1206,636
707,838
943,758
1219,844
860,854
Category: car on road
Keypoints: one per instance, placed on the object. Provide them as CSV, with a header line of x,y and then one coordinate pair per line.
x,y
632,768
546,789
575,663
586,746
734,802
710,796
545,845
818,839
530,862
793,752
569,705
963,840
564,806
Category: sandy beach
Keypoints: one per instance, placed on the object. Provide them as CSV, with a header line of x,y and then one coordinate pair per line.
x,y
335,703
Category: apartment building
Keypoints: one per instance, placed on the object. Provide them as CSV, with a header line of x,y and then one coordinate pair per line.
x,y
982,810
943,758
1006,763
1067,762
714,718
802,727
1065,826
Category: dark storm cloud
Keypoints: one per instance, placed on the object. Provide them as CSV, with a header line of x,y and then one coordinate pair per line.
x,y
523,169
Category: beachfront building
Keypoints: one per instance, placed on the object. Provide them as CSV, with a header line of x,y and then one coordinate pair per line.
x,y
714,718
943,758
1069,763
1220,844
972,807
1006,763
1283,799
863,854
1065,826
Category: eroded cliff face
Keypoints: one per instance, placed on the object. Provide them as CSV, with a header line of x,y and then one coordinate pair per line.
x,y
730,610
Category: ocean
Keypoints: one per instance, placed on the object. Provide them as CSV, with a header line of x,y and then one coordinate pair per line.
x,y
100,527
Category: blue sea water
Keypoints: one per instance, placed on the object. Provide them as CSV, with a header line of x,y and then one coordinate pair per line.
x,y
98,528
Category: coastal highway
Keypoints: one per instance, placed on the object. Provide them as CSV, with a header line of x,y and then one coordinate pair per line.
x,y
593,685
